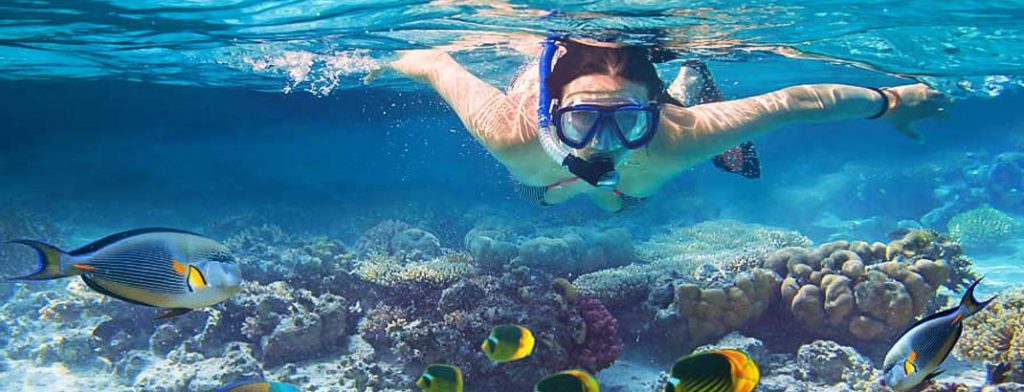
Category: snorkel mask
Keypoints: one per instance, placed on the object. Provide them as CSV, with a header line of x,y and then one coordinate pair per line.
x,y
574,126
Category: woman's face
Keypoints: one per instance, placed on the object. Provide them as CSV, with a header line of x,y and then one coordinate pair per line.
x,y
590,87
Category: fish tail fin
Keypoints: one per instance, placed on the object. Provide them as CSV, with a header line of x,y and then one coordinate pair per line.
x,y
969,305
49,261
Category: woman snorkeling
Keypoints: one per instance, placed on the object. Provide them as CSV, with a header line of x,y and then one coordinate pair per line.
x,y
597,120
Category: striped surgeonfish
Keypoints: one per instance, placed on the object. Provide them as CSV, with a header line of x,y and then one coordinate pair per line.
x,y
164,268
917,354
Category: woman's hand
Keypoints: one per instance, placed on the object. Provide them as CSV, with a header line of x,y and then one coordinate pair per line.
x,y
916,102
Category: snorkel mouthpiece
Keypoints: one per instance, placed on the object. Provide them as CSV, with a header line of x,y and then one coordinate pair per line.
x,y
599,172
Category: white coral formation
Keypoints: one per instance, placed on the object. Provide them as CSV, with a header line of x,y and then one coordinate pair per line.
x,y
984,227
389,271
716,242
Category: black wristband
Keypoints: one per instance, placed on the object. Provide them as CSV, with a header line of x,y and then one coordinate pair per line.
x,y
885,105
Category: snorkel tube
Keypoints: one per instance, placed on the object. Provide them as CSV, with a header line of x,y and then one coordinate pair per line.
x,y
599,172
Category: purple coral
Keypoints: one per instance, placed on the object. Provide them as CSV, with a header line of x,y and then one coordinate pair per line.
x,y
602,344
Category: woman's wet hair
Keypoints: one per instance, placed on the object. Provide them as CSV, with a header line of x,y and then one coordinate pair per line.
x,y
629,62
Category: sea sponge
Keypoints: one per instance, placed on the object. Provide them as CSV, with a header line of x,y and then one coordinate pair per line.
x,y
601,344
983,227
566,289
996,334
846,290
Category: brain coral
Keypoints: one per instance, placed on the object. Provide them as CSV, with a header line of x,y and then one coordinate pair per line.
x,y
847,289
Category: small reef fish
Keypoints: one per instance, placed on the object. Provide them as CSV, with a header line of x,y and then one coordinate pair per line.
x,y
568,381
163,268
917,354
508,343
258,386
714,371
441,378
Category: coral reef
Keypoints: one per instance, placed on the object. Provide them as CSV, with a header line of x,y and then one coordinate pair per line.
x,y
414,244
698,314
618,287
996,334
600,345
576,250
848,290
378,238
830,363
568,335
707,254
984,227
393,272
330,318
490,246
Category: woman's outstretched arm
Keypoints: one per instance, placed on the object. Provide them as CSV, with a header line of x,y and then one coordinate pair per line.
x,y
688,135
488,114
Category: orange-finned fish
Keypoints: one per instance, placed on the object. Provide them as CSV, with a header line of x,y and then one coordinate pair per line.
x,y
714,371
922,348
164,268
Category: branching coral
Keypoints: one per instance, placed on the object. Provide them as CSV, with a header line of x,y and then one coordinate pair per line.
x,y
622,286
996,334
389,271
983,227
714,239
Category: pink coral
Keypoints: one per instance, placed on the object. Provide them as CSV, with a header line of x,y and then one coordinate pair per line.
x,y
602,344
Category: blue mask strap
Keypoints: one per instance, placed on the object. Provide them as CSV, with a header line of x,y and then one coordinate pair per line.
x,y
544,98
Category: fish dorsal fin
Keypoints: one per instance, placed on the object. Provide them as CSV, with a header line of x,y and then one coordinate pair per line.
x,y
110,239
943,313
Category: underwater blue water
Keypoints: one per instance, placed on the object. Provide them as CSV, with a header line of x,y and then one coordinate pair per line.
x,y
121,114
